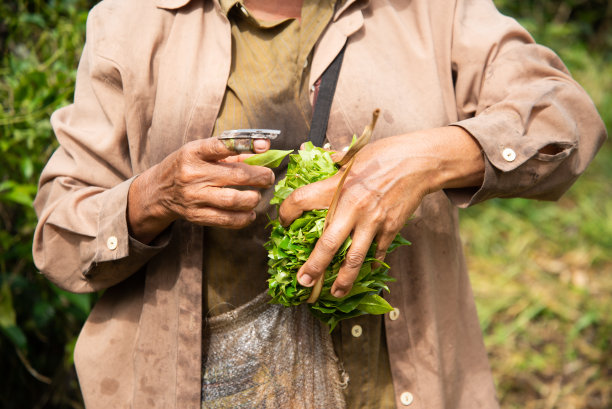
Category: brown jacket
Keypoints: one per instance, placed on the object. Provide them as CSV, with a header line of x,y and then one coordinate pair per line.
x,y
152,77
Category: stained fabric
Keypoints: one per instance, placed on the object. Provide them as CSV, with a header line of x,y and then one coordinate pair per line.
x,y
267,356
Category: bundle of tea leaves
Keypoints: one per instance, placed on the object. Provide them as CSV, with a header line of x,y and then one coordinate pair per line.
x,y
288,248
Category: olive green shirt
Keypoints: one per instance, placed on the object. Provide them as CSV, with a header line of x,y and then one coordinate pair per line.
x,y
267,88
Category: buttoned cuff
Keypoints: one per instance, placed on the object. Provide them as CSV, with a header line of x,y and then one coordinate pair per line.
x,y
507,153
113,241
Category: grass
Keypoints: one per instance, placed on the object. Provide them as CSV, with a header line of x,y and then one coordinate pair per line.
x,y
542,271
542,278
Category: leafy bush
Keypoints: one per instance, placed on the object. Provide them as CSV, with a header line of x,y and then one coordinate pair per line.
x,y
40,44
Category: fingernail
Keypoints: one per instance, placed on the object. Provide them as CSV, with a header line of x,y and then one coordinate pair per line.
x,y
305,280
338,293
260,145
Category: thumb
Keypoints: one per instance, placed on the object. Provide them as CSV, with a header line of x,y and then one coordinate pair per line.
x,y
316,195
212,149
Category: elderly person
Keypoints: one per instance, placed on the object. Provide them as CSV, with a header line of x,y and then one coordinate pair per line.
x,y
141,201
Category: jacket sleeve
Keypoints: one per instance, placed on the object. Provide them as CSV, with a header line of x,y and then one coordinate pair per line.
x,y
81,242
538,129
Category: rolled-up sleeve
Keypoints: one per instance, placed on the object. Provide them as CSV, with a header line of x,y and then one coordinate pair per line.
x,y
538,129
81,242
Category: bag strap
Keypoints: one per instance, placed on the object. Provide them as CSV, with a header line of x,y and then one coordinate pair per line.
x,y
320,116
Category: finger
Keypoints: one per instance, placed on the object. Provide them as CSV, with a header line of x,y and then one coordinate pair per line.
x,y
237,158
316,195
362,240
337,156
210,216
212,149
261,145
383,241
221,198
323,252
240,174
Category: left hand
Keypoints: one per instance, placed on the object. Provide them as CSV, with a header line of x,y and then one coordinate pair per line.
x,y
386,184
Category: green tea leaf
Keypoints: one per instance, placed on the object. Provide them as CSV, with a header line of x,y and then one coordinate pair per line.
x,y
374,304
271,158
398,242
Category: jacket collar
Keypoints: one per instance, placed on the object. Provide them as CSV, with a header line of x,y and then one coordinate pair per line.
x,y
176,4
171,4
344,4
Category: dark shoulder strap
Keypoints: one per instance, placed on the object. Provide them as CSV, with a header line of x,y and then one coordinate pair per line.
x,y
320,116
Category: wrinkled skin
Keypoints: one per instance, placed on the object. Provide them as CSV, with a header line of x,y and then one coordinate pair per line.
x,y
387,182
196,183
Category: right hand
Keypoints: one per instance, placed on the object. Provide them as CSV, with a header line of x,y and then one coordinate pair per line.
x,y
196,183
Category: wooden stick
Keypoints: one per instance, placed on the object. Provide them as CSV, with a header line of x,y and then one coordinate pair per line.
x,y
347,160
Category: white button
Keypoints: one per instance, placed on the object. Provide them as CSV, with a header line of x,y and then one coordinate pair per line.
x,y
393,315
406,398
111,243
509,154
244,10
356,331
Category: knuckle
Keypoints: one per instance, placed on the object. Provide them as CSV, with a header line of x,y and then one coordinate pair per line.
x,y
356,197
392,226
238,222
298,196
187,197
239,174
189,214
218,219
184,173
359,196
354,260
379,218
227,197
214,147
328,242
344,283
314,267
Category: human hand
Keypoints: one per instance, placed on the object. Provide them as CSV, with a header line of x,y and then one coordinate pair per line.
x,y
197,183
385,185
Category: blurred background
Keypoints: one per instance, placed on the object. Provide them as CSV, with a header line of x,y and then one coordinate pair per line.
x,y
542,272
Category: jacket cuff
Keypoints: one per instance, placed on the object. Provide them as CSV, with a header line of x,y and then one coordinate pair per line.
x,y
508,155
113,241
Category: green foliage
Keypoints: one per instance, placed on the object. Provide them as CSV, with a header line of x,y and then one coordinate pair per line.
x,y
590,20
40,44
289,248
541,271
